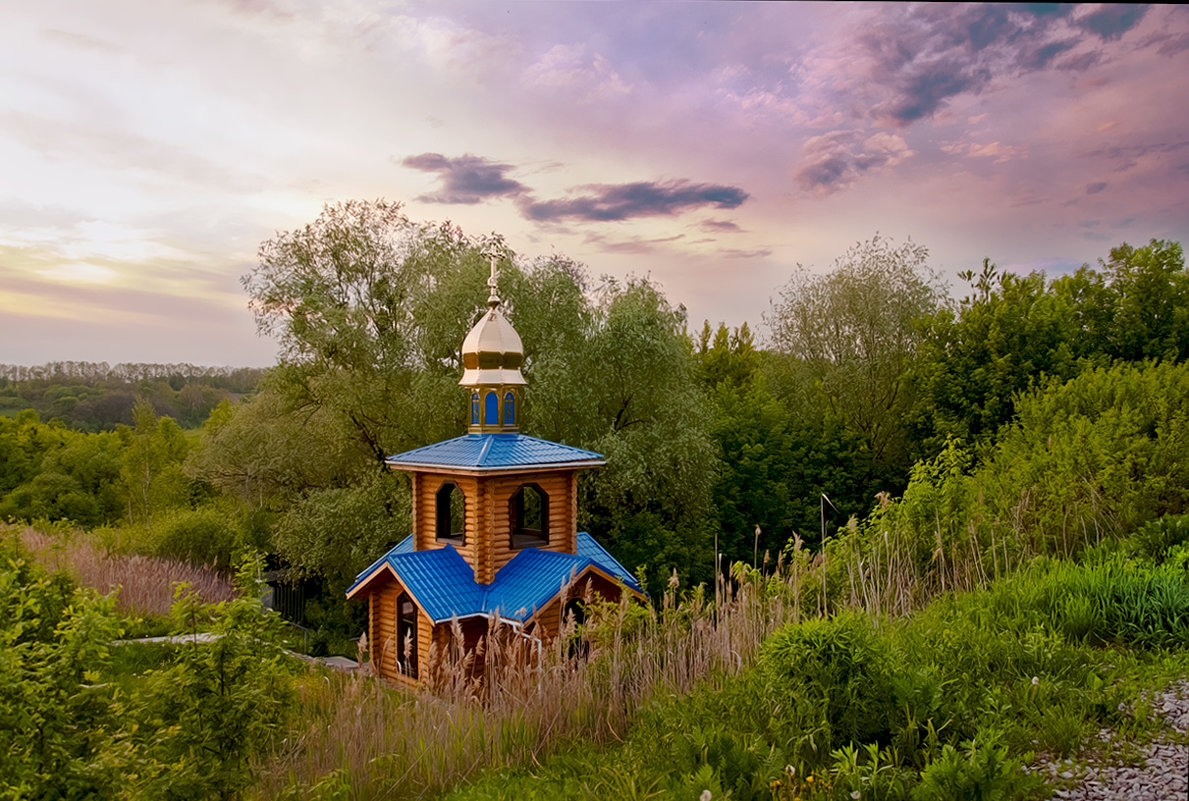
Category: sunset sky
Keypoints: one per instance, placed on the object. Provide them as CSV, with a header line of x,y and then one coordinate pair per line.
x,y
147,148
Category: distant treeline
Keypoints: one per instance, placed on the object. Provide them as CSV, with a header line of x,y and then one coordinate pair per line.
x,y
96,396
233,379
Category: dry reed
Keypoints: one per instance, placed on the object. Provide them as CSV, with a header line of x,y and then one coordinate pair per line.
x,y
397,744
535,697
144,583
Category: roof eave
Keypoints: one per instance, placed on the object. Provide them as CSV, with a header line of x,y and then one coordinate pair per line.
x,y
414,467
365,582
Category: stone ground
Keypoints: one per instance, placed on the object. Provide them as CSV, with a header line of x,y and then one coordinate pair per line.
x,y
1163,775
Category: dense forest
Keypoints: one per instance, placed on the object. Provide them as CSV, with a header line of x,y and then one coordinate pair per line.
x,y
91,396
871,445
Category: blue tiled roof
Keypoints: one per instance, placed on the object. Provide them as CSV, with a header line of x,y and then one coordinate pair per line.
x,y
444,586
494,452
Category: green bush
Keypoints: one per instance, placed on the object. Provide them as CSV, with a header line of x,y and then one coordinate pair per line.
x,y
56,718
1094,458
206,535
829,683
981,771
1155,539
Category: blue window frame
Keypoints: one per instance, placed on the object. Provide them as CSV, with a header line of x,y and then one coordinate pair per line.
x,y
509,409
491,409
475,408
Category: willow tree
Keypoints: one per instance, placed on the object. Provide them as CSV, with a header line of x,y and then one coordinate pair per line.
x,y
854,332
370,309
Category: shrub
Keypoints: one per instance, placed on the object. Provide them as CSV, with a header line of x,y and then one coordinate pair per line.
x,y
830,683
1155,539
55,718
216,706
205,535
982,771
1093,458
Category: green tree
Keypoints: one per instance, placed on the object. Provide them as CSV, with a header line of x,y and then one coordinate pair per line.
x,y
55,473
266,453
368,307
1014,333
219,703
652,502
1150,291
856,331
778,457
1009,334
371,309
56,719
151,474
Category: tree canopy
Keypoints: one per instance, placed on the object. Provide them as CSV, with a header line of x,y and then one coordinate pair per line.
x,y
371,308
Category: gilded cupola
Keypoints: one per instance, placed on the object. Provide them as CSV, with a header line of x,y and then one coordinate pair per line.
x,y
491,357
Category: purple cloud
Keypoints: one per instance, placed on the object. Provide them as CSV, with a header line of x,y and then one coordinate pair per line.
x,y
720,226
467,179
640,199
1112,21
472,179
921,56
836,160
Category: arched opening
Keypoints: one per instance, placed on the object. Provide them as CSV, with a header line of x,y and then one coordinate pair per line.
x,y
529,513
406,635
475,408
491,409
451,514
509,409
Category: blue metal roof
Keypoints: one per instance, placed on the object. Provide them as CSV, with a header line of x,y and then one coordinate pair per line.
x,y
589,548
444,586
495,452
530,581
440,580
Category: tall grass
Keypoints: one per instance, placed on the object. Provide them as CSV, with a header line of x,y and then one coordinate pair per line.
x,y
955,529
376,742
144,584
395,744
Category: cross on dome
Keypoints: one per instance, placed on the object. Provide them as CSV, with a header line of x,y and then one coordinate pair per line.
x,y
493,299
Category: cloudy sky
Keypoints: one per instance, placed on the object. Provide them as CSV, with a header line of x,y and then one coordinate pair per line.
x,y
147,148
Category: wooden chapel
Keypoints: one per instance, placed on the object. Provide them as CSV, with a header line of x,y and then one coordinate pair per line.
x,y
494,525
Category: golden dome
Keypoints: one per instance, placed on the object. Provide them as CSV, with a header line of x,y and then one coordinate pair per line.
x,y
492,352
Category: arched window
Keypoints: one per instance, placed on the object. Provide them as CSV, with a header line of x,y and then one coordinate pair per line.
x,y
406,635
529,513
509,409
491,409
475,408
451,514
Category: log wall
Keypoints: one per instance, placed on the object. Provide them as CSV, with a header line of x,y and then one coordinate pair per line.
x,y
382,637
488,542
